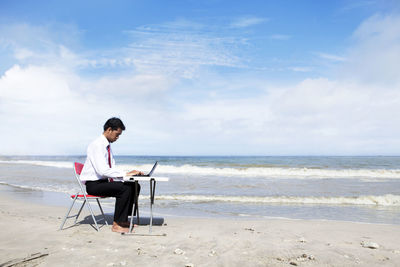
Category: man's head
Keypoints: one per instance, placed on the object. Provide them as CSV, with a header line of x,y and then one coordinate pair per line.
x,y
113,129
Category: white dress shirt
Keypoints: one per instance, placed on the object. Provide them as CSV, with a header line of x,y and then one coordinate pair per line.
x,y
96,165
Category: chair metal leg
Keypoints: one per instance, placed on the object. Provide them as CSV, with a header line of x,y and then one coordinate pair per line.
x,y
79,212
85,201
135,210
91,212
102,212
137,202
152,193
70,208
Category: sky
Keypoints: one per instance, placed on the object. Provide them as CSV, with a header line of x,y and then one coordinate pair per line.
x,y
209,77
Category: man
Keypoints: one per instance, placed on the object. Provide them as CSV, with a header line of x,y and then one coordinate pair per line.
x,y
103,179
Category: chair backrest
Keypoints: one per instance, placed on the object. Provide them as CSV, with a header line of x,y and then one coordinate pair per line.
x,y
77,170
78,167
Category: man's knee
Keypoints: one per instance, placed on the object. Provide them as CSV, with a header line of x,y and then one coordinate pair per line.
x,y
126,190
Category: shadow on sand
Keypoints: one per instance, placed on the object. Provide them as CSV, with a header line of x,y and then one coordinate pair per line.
x,y
157,221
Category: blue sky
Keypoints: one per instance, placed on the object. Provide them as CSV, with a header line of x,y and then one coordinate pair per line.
x,y
201,77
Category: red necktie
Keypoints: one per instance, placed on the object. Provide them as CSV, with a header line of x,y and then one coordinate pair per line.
x,y
109,161
109,155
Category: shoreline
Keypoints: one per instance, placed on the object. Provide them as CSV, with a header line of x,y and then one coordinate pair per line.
x,y
28,227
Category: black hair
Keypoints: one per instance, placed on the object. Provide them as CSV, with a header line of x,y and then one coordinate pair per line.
x,y
114,123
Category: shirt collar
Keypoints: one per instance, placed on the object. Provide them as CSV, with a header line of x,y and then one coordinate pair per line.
x,y
104,140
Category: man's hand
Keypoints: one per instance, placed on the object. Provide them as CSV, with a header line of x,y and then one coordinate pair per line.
x,y
134,172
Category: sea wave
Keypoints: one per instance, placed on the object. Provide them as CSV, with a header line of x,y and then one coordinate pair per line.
x,y
69,190
47,188
384,200
267,172
388,200
57,164
271,172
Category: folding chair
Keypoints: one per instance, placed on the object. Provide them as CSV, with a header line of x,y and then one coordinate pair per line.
x,y
82,195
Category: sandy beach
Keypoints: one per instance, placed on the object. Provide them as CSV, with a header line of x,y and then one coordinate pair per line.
x,y
30,237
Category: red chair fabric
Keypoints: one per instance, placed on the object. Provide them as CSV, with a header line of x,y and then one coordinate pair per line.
x,y
78,168
90,196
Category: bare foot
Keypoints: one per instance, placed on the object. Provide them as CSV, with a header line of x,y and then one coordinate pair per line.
x,y
119,228
127,224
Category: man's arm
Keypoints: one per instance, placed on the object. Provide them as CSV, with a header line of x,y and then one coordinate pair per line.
x,y
134,172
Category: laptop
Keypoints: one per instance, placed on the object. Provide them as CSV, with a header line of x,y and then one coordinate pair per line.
x,y
149,174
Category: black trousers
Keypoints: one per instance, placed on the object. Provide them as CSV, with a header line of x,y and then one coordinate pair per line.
x,y
124,194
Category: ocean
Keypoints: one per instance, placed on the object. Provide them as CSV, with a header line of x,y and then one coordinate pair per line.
x,y
359,189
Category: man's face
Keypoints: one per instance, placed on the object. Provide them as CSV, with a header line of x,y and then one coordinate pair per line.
x,y
112,135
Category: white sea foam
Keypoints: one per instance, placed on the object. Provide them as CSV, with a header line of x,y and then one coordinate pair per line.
x,y
382,200
269,172
69,190
47,188
273,172
57,164
385,200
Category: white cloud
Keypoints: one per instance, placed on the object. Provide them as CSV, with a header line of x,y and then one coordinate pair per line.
x,y
301,69
180,49
359,4
47,108
331,57
315,116
375,55
280,37
247,21
38,107
38,44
